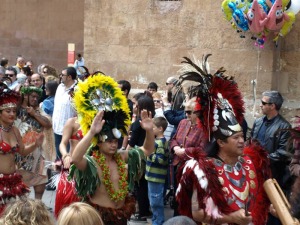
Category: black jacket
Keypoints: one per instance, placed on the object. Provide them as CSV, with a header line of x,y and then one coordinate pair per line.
x,y
281,138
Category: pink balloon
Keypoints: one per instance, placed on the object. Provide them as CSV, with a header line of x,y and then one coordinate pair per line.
x,y
276,17
257,18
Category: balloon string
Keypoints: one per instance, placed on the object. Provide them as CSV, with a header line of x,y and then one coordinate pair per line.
x,y
254,82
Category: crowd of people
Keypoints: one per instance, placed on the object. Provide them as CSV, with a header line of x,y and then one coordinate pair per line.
x,y
116,158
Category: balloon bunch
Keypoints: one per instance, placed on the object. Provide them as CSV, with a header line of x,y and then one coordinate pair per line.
x,y
260,17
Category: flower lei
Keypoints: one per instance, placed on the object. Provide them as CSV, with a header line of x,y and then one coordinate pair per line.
x,y
123,185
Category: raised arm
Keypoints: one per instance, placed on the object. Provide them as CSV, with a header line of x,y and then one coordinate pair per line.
x,y
67,133
78,155
147,125
148,146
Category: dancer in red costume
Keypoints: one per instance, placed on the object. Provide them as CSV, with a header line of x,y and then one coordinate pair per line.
x,y
66,194
224,185
11,185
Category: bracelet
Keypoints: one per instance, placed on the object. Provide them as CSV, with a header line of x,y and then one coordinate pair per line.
x,y
63,158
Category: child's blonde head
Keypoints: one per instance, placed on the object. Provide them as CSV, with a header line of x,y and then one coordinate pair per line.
x,y
28,211
79,213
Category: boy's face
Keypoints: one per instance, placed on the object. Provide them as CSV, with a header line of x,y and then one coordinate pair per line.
x,y
109,147
157,130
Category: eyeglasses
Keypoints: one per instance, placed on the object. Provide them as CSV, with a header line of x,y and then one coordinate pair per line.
x,y
63,75
156,101
265,103
189,112
9,75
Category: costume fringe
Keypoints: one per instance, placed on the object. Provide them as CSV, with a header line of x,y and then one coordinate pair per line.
x,y
200,173
65,194
260,203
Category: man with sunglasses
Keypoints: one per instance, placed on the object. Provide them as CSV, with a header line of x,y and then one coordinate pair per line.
x,y
11,73
267,130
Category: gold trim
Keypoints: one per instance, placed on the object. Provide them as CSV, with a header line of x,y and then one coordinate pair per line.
x,y
8,105
252,174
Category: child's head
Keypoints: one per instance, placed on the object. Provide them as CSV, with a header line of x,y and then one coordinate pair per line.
x,y
28,211
79,213
160,125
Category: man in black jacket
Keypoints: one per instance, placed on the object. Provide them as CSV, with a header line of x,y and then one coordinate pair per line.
x,y
267,130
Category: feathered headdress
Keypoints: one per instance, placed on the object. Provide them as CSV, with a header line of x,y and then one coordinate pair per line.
x,y
219,101
100,92
8,98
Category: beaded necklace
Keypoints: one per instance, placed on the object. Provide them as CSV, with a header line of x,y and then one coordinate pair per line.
x,y
6,129
123,185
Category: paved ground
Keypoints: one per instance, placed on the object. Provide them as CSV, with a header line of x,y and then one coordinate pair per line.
x,y
49,200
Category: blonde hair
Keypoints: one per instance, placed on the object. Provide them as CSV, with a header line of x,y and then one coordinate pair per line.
x,y
51,78
79,213
156,95
27,212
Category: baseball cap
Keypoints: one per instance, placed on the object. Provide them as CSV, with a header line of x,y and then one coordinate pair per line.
x,y
171,80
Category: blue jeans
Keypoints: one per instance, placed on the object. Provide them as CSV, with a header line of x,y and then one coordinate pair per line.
x,y
57,139
156,198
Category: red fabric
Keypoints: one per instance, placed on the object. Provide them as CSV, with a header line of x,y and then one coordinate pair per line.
x,y
188,180
261,162
66,193
78,136
5,148
11,186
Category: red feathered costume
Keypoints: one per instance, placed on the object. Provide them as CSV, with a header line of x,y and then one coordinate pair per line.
x,y
220,188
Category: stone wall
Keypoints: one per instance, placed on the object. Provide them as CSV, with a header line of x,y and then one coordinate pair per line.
x,y
143,41
40,30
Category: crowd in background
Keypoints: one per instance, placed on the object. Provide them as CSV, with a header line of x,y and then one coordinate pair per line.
x,y
47,122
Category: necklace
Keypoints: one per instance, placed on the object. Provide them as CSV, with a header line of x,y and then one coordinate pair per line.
x,y
123,185
7,129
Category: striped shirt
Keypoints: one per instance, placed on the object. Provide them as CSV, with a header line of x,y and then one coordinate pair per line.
x,y
157,162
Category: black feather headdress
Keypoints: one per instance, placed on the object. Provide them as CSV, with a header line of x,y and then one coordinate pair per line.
x,y
219,101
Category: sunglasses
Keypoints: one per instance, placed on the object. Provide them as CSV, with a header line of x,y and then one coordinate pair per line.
x,y
9,75
189,112
156,101
265,103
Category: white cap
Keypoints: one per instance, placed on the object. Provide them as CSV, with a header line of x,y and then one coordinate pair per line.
x,y
171,80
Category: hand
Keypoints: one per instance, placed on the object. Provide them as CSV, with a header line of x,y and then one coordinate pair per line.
x,y
146,122
239,217
97,123
39,139
67,161
273,211
30,110
179,151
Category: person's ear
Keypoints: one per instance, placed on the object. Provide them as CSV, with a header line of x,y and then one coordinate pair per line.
x,y
220,142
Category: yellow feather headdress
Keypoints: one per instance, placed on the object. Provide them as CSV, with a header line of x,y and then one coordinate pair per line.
x,y
100,92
